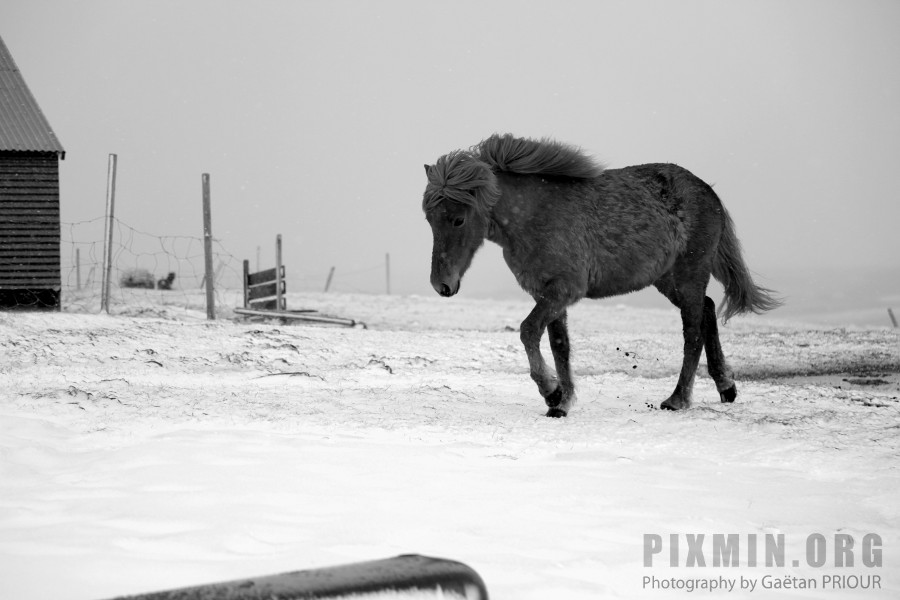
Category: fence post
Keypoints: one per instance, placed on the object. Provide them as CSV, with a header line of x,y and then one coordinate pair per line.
x,y
280,303
108,234
207,250
246,283
328,281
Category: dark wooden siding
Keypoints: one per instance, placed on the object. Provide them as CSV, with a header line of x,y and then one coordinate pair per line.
x,y
29,221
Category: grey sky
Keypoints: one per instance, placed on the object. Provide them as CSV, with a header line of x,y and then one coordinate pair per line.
x,y
314,118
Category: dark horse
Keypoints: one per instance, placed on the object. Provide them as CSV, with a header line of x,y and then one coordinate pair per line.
x,y
571,229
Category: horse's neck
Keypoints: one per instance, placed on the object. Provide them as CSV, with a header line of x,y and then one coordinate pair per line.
x,y
508,220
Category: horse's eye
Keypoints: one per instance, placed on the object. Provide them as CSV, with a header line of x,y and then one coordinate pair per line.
x,y
459,221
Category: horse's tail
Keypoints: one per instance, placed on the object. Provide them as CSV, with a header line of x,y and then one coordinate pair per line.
x,y
741,293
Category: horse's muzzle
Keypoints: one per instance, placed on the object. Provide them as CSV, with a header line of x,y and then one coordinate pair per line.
x,y
444,289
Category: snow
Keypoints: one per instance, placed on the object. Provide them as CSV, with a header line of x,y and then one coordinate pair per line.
x,y
152,449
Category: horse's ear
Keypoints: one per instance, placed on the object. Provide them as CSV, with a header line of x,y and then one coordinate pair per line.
x,y
427,169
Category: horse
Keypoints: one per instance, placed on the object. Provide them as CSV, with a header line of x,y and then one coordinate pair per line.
x,y
571,229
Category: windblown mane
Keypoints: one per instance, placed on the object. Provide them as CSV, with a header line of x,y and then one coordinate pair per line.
x,y
537,157
467,176
461,177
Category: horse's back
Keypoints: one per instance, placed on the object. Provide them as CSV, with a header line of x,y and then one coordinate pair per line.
x,y
668,183
661,211
643,218
616,233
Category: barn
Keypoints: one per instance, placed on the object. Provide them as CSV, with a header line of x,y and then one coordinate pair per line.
x,y
29,196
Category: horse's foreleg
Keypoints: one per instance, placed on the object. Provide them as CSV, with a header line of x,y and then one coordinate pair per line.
x,y
715,358
531,332
564,396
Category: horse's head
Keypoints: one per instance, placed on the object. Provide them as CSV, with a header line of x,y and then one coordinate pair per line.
x,y
460,193
458,231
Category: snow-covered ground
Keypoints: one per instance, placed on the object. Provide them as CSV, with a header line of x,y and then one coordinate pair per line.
x,y
153,449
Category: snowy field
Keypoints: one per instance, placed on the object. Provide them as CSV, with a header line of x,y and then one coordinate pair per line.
x,y
151,449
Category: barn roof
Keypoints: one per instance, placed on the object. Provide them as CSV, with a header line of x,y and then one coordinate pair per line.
x,y
23,127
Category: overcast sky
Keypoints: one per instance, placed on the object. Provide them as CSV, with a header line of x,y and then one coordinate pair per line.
x,y
314,118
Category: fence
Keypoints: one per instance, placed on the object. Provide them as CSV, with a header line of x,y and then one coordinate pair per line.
x,y
139,256
107,264
138,261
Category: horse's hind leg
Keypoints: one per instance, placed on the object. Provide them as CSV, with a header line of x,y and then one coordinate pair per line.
x,y
715,358
688,297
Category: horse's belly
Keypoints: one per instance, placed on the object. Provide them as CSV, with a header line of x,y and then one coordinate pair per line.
x,y
632,249
618,275
608,288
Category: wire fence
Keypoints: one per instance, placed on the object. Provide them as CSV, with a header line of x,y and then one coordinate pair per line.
x,y
161,275
146,270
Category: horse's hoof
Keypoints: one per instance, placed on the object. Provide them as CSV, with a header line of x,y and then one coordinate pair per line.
x,y
674,404
554,398
556,413
728,395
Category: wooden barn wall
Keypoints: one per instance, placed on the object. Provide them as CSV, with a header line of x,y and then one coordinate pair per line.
x,y
29,221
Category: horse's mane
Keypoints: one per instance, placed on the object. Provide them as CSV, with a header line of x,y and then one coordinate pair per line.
x,y
537,157
467,176
461,177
